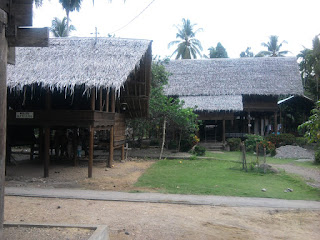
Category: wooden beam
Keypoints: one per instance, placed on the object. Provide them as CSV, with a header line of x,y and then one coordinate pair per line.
x,y
46,151
30,37
249,123
90,163
11,55
111,148
21,12
3,118
275,123
224,131
122,153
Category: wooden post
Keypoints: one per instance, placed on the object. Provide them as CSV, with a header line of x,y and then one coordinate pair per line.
x,y
46,151
122,152
110,162
275,123
224,131
113,103
107,100
75,143
3,112
100,99
93,99
90,163
249,123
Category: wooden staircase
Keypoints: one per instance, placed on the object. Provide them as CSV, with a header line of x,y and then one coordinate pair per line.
x,y
212,146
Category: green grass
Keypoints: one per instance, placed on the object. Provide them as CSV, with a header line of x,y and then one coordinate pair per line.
x,y
213,177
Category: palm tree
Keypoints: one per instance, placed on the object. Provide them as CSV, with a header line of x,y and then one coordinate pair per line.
x,y
273,48
70,6
59,28
188,45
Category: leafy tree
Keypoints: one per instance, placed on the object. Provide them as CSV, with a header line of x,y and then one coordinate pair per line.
x,y
273,47
70,6
218,52
246,53
59,27
188,46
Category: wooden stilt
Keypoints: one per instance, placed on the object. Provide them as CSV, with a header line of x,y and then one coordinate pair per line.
x,y
249,123
122,152
275,122
93,99
100,100
107,100
75,147
224,131
111,147
90,163
113,103
46,151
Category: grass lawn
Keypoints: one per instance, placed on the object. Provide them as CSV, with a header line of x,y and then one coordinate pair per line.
x,y
214,177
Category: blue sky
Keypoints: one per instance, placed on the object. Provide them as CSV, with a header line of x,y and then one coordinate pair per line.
x,y
236,24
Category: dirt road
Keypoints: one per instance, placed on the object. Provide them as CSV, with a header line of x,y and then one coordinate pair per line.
x,y
168,221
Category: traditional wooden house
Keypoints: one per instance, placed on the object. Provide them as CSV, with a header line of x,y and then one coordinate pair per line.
x,y
234,97
79,84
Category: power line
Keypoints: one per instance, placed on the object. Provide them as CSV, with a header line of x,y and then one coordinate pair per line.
x,y
134,18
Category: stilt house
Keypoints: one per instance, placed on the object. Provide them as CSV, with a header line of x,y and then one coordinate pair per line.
x,y
234,97
79,84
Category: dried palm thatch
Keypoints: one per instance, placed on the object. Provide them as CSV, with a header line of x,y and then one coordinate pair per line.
x,y
253,76
218,84
67,62
213,103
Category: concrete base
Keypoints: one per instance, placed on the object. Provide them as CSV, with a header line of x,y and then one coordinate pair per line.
x,y
100,231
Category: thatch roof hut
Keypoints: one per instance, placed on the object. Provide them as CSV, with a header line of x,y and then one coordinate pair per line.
x,y
67,62
218,84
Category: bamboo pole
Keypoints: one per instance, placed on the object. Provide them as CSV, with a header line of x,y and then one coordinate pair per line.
x,y
3,114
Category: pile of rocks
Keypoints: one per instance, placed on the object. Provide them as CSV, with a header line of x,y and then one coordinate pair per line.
x,y
290,151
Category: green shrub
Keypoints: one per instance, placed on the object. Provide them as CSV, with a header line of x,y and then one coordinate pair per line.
x,y
154,142
199,150
270,147
172,145
282,139
301,141
234,144
317,157
186,145
251,142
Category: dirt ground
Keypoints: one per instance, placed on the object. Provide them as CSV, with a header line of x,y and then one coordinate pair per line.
x,y
145,220
168,221
63,175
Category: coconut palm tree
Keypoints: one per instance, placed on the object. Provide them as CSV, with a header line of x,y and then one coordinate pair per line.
x,y
188,46
273,48
59,27
70,6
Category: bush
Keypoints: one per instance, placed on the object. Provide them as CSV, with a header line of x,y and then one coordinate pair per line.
x,y
270,147
301,141
173,145
282,139
252,141
154,142
234,144
199,151
186,145
317,157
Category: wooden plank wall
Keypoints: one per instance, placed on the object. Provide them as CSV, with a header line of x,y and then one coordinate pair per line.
x,y
119,130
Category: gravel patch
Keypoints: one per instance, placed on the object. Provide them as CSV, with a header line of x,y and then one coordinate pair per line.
x,y
290,151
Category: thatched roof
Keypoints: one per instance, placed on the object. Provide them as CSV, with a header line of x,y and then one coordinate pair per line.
x,y
67,62
254,76
213,103
217,84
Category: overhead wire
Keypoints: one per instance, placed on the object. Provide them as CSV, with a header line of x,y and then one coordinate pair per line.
x,y
119,29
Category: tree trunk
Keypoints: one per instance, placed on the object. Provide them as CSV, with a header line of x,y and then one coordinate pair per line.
x,y
163,137
3,118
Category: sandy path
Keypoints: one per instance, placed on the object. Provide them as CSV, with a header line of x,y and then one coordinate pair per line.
x,y
168,221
